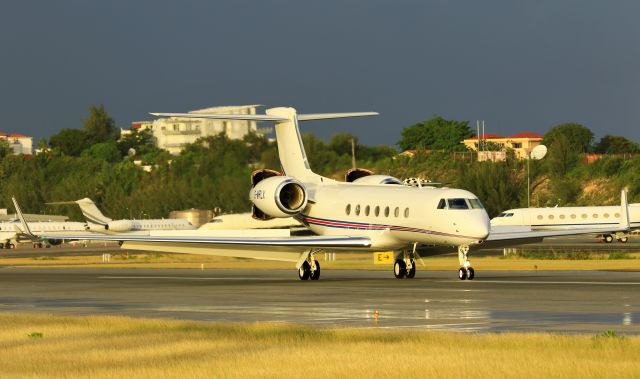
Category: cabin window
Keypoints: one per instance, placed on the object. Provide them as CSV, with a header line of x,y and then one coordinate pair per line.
x,y
397,212
617,215
606,215
584,215
358,210
476,204
562,217
406,213
539,217
377,211
595,215
457,204
573,216
348,209
550,217
367,210
386,211
442,204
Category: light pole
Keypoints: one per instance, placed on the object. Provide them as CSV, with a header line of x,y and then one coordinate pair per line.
x,y
537,153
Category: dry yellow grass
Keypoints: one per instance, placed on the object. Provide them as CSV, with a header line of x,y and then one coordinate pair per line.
x,y
345,261
120,347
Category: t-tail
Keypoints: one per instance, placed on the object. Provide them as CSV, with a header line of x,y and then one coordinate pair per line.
x,y
89,210
293,157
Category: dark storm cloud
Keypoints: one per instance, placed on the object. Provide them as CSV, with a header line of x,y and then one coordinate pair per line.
x,y
517,65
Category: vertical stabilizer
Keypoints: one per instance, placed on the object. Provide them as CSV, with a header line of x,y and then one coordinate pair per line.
x,y
91,212
290,148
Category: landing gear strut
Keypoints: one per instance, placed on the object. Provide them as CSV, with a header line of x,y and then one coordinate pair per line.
x,y
465,271
310,268
405,267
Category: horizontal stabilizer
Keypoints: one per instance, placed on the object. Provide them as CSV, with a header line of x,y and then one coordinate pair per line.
x,y
247,117
328,116
260,117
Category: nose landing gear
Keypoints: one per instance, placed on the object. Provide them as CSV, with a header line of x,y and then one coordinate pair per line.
x,y
466,271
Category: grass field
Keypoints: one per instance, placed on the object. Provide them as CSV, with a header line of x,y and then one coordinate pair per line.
x,y
346,261
37,346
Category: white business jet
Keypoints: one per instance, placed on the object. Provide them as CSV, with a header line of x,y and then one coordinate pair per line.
x,y
13,232
100,223
562,218
371,213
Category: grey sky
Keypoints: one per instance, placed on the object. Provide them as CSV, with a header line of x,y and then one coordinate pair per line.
x,y
518,65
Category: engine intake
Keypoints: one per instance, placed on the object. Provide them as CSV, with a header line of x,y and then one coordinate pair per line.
x,y
278,196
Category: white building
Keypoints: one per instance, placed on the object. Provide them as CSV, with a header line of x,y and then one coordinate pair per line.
x,y
19,143
173,133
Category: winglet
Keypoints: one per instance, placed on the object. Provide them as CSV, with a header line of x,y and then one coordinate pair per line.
x,y
624,210
25,226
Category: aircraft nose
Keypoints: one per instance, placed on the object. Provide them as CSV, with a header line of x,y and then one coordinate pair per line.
x,y
481,226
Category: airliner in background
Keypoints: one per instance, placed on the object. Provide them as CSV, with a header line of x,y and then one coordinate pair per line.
x,y
99,223
369,213
562,218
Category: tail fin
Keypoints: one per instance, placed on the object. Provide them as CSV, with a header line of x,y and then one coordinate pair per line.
x,y
290,148
624,210
23,221
91,212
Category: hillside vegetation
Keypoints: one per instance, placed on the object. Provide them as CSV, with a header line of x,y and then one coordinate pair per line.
x,y
214,172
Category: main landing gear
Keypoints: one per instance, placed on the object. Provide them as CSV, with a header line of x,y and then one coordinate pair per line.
x,y
608,238
465,271
310,268
405,267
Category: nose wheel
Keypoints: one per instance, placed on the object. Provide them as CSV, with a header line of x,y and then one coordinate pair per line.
x,y
466,272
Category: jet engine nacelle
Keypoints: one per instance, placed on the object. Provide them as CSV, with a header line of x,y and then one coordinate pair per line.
x,y
279,196
378,179
119,226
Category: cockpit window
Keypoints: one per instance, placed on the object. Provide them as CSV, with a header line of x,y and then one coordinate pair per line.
x,y
442,204
457,204
508,215
501,214
476,204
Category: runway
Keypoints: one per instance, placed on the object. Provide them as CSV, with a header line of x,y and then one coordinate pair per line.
x,y
567,302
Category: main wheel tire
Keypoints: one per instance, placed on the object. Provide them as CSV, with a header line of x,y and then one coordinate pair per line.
x,y
304,271
608,238
623,239
411,273
11,246
1,246
399,269
462,273
470,273
316,274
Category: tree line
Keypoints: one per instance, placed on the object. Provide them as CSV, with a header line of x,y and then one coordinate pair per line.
x,y
214,172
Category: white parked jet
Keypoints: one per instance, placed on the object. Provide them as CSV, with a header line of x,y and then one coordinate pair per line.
x,y
100,223
562,218
371,213
13,232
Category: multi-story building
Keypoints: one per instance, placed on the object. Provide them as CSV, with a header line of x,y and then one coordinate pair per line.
x,y
494,147
173,133
18,143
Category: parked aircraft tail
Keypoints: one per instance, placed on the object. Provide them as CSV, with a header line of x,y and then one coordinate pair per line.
x,y
89,210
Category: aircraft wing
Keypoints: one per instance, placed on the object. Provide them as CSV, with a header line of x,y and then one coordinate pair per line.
x,y
287,249
508,233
